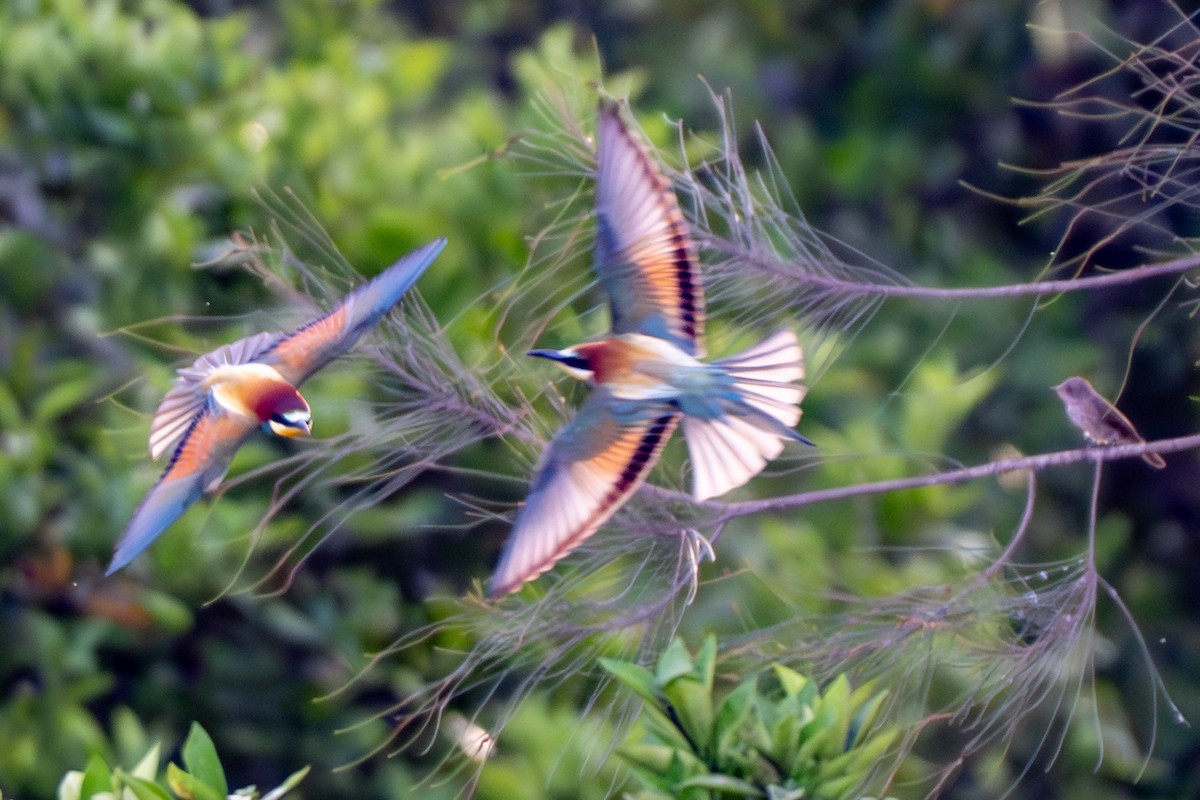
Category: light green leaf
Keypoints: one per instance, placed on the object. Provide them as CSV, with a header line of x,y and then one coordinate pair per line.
x,y
292,781
654,757
675,662
200,759
147,768
734,709
144,789
839,787
633,676
97,778
791,681
722,783
835,713
189,787
706,661
864,716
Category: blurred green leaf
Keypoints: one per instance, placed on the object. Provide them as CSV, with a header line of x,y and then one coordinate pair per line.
x,y
145,788
97,778
189,787
200,759
291,782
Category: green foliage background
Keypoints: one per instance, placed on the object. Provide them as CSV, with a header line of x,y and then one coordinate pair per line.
x,y
132,138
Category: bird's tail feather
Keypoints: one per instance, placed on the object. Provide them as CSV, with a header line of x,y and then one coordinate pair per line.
x,y
728,450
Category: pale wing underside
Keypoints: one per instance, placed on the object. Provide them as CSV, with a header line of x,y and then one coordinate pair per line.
x,y
188,396
645,257
589,471
728,451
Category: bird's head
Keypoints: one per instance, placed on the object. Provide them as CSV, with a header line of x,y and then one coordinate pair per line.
x,y
285,413
1074,389
572,361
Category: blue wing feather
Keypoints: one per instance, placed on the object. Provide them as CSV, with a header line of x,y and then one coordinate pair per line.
x,y
198,464
166,503
304,351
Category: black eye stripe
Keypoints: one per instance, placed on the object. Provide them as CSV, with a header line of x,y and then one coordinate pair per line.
x,y
577,362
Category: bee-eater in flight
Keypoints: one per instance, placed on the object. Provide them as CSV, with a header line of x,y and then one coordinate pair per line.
x,y
1098,419
647,378
217,402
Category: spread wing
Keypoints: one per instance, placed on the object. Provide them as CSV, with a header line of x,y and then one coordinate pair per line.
x,y
187,398
299,354
645,257
590,469
200,461
295,355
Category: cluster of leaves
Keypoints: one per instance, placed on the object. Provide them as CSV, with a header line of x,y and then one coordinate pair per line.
x,y
774,736
200,778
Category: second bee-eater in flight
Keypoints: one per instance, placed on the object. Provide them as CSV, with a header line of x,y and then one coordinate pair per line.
x,y
647,378
217,402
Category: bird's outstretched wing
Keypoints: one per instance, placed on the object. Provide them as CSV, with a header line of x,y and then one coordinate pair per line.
x,y
645,257
294,355
200,461
302,352
590,469
204,438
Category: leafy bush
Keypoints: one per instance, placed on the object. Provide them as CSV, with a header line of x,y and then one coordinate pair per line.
x,y
200,778
774,736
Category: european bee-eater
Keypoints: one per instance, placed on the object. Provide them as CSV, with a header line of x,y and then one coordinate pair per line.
x,y
1099,419
736,413
217,402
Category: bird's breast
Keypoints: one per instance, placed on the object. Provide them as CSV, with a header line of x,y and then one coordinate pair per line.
x,y
639,367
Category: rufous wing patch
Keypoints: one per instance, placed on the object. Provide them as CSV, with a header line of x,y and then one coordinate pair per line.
x,y
645,256
304,351
209,444
307,349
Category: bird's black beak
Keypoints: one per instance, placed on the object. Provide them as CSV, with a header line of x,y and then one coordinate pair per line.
x,y
567,358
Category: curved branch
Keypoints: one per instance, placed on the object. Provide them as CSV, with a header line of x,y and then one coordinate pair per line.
x,y
1035,289
728,511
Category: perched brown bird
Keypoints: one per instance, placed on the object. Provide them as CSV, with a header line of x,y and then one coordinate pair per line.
x,y
1100,421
